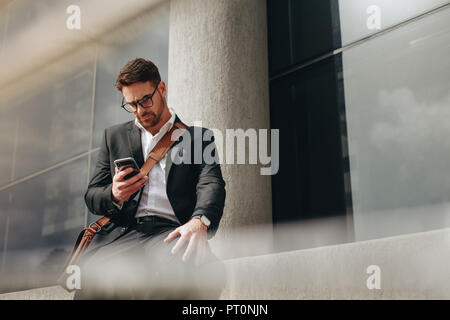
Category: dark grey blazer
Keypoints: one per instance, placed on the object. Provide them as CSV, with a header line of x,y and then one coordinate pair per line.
x,y
192,189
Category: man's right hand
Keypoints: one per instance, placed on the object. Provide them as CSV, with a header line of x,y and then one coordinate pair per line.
x,y
122,189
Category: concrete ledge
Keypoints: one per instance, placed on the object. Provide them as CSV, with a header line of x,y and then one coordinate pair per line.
x,y
413,266
46,293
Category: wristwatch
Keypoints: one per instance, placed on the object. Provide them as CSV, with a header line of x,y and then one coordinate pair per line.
x,y
118,204
204,219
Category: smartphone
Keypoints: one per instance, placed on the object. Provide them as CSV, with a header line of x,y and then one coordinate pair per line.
x,y
122,164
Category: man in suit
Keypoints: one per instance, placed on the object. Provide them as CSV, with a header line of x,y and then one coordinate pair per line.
x,y
178,202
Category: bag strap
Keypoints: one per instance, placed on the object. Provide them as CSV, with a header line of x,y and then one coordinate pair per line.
x,y
163,145
155,155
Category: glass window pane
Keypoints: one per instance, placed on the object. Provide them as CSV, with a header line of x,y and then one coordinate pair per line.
x,y
307,111
398,110
290,38
45,119
8,139
358,16
53,124
45,215
23,14
3,20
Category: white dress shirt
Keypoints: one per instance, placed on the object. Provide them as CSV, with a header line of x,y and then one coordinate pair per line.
x,y
154,201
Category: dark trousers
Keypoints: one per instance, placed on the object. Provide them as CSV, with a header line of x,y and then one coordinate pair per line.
x,y
139,265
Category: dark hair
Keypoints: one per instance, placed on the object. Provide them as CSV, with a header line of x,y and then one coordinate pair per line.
x,y
137,70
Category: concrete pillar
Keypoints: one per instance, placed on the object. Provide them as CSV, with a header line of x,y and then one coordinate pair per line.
x,y
218,73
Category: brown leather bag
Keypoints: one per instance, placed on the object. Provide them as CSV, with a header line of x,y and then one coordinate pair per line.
x,y
87,234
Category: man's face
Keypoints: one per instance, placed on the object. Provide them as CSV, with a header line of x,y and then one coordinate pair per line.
x,y
148,117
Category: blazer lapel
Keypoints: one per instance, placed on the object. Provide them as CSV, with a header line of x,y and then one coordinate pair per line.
x,y
175,149
135,142
168,164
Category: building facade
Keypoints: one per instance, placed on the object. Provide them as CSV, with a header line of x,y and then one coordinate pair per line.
x,y
359,91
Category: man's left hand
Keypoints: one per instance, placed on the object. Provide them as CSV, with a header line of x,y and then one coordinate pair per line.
x,y
193,231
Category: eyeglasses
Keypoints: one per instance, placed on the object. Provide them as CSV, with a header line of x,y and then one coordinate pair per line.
x,y
145,102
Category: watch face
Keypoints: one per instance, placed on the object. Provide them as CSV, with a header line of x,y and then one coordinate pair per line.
x,y
205,220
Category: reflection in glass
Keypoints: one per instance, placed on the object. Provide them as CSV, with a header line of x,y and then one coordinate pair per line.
x,y
359,18
45,215
3,15
398,110
24,13
8,135
53,125
46,119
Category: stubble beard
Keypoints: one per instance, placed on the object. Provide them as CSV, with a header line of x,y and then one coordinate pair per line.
x,y
156,119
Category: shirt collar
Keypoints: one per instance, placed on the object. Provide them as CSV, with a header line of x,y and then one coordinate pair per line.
x,y
165,128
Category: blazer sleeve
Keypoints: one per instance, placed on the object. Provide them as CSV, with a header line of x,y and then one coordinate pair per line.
x,y
98,196
210,188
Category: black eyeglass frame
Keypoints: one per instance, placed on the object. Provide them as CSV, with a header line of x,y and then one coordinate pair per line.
x,y
139,102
